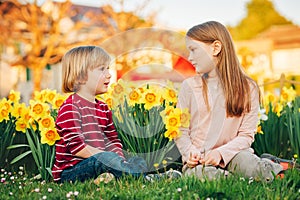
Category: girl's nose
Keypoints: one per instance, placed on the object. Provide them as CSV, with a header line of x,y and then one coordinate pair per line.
x,y
190,58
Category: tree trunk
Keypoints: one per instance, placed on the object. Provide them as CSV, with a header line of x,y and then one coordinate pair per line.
x,y
37,77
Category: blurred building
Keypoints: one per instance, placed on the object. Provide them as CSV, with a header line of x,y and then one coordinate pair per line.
x,y
271,53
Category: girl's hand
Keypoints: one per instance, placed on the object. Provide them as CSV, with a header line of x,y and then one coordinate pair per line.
x,y
193,160
212,158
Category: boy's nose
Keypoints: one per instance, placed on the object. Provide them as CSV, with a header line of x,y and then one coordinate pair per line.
x,y
108,75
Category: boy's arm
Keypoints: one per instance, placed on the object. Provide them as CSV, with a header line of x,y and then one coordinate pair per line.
x,y
88,151
113,142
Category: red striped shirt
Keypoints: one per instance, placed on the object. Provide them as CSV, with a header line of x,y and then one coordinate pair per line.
x,y
79,123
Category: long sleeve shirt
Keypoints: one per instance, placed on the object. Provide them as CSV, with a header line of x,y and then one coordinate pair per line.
x,y
80,123
211,129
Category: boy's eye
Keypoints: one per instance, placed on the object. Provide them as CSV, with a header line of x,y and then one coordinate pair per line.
x,y
103,68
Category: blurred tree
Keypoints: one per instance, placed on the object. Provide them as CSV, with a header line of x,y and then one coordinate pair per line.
x,y
261,15
36,33
120,36
40,33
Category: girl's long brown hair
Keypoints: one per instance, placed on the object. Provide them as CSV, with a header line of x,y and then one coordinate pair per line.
x,y
234,81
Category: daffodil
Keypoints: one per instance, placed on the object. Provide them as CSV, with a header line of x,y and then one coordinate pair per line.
x,y
278,108
58,101
22,124
46,122
259,130
4,114
14,96
269,98
170,94
134,97
119,89
172,133
151,98
164,162
50,96
6,104
287,94
262,115
49,136
173,120
168,109
19,109
39,96
38,109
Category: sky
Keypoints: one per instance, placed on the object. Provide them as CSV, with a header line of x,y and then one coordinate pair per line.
x,y
183,14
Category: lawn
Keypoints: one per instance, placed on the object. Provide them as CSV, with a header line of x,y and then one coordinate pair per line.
x,y
18,185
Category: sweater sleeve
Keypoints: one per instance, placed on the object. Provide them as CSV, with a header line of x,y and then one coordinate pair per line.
x,y
184,142
68,124
113,142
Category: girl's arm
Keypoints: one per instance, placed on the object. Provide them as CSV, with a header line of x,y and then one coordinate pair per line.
x,y
184,142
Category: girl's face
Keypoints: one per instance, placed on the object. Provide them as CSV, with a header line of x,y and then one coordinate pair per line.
x,y
201,56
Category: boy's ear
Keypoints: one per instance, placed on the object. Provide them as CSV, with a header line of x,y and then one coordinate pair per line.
x,y
217,46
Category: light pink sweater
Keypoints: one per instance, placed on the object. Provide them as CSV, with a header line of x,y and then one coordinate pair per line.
x,y
212,129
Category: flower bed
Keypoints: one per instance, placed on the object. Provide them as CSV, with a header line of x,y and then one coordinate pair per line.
x,y
279,125
146,118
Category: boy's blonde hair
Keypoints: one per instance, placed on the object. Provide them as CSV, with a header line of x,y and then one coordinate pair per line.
x,y
76,63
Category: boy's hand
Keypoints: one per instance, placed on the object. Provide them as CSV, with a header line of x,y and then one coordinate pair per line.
x,y
212,158
193,160
88,151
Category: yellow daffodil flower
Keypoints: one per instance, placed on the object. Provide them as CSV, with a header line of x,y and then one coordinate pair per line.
x,y
287,95
49,136
22,124
170,95
151,98
259,130
38,109
172,133
58,101
4,114
46,121
14,96
50,96
134,97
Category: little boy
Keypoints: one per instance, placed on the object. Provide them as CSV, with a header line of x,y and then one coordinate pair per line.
x,y
89,144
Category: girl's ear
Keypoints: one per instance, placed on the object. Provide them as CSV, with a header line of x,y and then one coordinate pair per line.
x,y
217,46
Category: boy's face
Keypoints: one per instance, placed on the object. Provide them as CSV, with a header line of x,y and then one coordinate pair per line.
x,y
98,80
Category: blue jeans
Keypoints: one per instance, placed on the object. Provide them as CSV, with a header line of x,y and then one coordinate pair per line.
x,y
111,162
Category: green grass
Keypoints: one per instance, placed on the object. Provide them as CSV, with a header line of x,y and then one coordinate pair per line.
x,y
18,186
